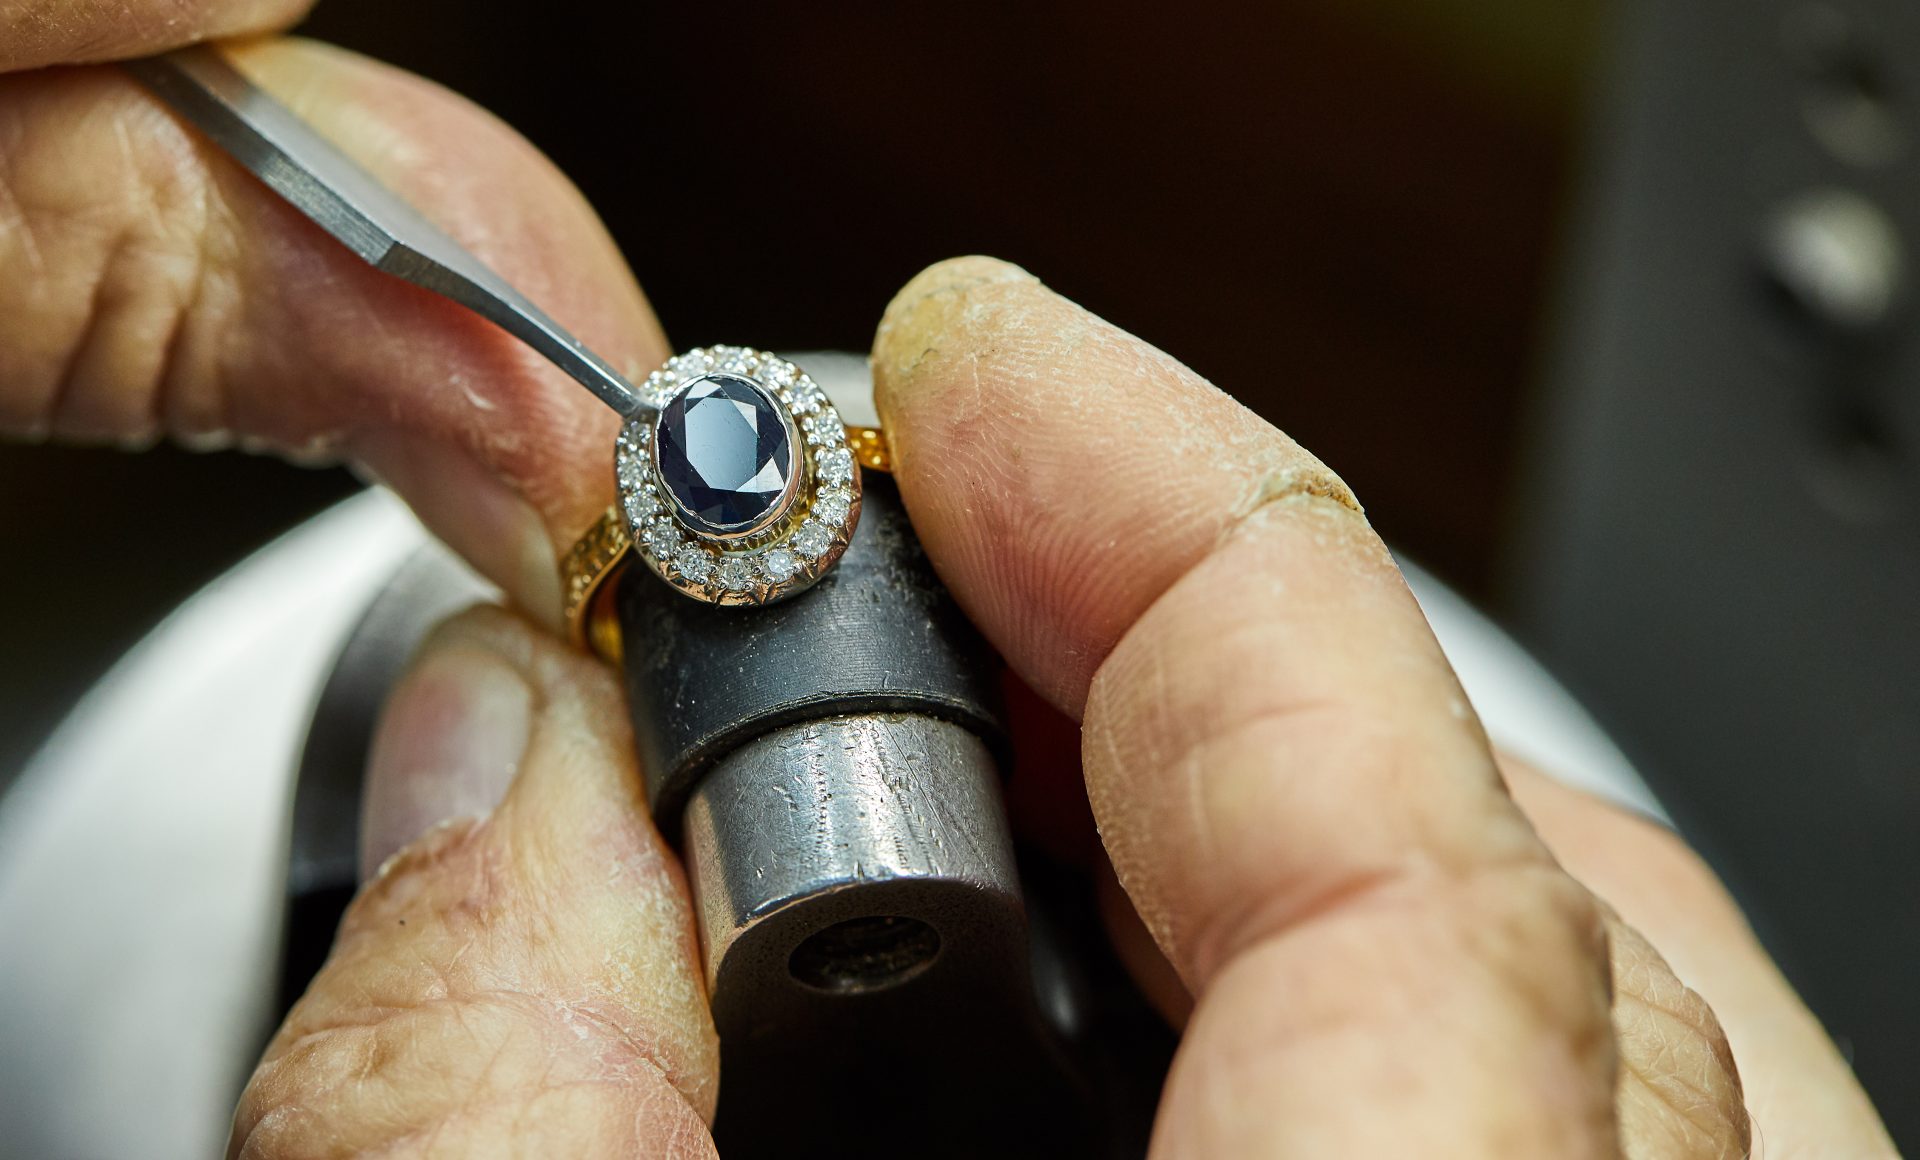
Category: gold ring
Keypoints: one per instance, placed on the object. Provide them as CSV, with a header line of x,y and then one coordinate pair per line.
x,y
589,568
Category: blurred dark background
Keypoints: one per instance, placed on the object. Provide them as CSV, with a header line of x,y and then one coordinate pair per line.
x,y
1552,285
1343,213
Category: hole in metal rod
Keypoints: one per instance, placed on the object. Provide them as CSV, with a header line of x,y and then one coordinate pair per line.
x,y
864,954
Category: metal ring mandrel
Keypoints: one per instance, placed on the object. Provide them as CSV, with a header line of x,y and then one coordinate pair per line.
x,y
830,769
826,761
846,856
883,636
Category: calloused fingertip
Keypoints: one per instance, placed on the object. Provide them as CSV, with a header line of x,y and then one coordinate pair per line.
x,y
450,741
925,308
85,34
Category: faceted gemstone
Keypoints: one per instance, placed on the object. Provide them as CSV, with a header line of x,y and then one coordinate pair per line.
x,y
832,506
836,465
812,539
780,564
693,563
725,455
734,574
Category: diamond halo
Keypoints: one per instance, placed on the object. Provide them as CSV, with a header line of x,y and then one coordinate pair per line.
x,y
804,532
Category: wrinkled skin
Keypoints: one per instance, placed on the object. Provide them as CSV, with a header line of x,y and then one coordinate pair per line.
x,y
1379,938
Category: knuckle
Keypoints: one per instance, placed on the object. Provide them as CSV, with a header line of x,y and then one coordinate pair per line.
x,y
1679,1088
1542,936
423,1074
105,259
416,1079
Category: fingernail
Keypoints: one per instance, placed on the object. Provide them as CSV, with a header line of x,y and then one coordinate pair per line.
x,y
477,515
448,745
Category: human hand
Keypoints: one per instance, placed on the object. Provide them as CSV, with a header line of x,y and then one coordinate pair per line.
x,y
150,288
1318,868
1379,953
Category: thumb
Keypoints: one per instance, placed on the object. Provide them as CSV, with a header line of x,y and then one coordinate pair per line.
x,y
520,982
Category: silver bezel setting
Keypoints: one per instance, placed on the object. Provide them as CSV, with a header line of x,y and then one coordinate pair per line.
x,y
789,551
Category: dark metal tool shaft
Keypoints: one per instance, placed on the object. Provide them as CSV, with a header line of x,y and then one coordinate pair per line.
x,y
368,218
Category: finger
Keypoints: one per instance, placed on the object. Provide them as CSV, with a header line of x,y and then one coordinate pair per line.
x,y
520,983
37,33
456,736
1678,1091
1802,1096
149,287
1067,474
1293,790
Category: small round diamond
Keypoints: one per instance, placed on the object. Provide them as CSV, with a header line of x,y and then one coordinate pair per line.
x,y
776,373
693,562
643,504
833,506
735,574
780,564
825,429
812,539
690,365
836,465
657,389
662,539
632,472
807,396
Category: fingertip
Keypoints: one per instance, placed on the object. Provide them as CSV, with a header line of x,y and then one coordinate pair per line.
x,y
580,898
476,513
81,34
1061,472
927,312
449,742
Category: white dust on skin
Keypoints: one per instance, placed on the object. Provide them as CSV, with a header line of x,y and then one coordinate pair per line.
x,y
657,975
974,310
563,893
1031,336
989,355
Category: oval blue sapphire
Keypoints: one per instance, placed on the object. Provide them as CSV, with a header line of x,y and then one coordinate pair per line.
x,y
725,455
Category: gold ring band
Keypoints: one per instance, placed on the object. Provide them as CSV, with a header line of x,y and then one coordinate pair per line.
x,y
603,551
594,559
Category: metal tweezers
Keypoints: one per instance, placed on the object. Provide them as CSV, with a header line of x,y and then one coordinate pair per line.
x,y
368,218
